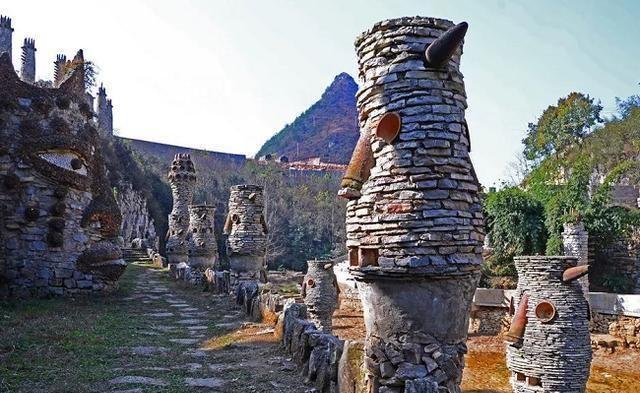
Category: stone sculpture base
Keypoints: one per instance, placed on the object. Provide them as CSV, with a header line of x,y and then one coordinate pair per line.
x,y
202,262
416,331
246,263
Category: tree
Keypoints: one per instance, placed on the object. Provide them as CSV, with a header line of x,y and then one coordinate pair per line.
x,y
516,227
562,125
627,105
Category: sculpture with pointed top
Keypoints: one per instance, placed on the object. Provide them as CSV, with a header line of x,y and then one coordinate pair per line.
x,y
6,36
28,68
104,112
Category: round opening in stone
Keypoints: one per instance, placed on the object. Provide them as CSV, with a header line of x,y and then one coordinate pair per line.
x,y
389,127
311,283
545,311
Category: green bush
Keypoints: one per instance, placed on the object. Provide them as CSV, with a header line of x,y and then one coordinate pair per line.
x,y
515,226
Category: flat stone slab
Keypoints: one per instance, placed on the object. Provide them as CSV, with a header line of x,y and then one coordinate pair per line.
x,y
204,382
164,328
184,341
180,305
196,353
147,351
137,390
191,321
189,367
189,309
197,327
127,379
159,314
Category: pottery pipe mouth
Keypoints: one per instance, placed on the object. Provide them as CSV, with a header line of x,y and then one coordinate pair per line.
x,y
574,273
359,168
519,322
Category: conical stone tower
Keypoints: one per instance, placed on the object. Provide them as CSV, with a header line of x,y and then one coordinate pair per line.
x,y
182,178
414,221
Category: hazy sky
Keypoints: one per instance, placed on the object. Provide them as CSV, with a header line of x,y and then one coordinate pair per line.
x,y
226,75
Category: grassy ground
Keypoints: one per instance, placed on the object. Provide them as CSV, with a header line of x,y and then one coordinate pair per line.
x,y
78,345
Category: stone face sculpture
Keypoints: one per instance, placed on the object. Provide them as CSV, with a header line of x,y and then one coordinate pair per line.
x,y
320,293
182,178
414,221
550,348
203,249
247,231
60,221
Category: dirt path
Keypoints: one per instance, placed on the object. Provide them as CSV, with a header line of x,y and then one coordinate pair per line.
x,y
163,337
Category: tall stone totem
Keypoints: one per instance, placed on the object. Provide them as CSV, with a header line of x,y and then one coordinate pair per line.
x,y
182,178
247,229
414,221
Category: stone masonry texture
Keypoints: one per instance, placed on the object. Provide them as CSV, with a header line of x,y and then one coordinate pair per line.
x,y
182,178
415,228
554,355
320,293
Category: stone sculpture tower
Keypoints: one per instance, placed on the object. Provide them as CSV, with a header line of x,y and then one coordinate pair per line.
x,y
247,229
28,69
575,240
182,178
414,221
550,348
105,113
6,35
320,293
203,249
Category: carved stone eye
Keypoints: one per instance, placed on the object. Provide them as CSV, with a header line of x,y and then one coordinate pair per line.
x,y
65,159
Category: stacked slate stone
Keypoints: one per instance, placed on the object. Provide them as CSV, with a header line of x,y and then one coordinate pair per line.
x,y
182,178
554,354
575,240
246,228
203,249
414,221
320,293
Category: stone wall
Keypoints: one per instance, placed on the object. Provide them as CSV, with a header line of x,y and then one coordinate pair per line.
x,y
6,36
28,68
136,220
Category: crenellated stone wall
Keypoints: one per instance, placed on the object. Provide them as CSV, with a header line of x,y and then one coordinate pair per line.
x,y
414,221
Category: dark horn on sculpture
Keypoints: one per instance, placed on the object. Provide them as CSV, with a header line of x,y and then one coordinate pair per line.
x,y
519,322
440,51
359,168
574,273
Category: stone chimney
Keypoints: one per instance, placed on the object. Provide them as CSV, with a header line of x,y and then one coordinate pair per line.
x,y
105,112
6,35
576,244
28,69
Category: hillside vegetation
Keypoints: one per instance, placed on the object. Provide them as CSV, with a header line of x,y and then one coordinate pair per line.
x,y
328,129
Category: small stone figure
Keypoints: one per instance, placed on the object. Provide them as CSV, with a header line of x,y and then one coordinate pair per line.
x,y
415,227
247,231
182,178
203,249
320,293
549,347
